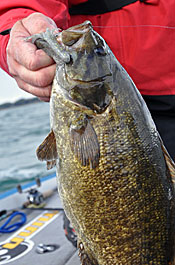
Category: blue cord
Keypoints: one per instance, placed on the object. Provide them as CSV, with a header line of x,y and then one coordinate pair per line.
x,y
11,228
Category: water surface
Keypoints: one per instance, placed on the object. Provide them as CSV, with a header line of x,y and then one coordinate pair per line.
x,y
22,129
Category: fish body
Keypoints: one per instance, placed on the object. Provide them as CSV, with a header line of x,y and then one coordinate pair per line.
x,y
114,176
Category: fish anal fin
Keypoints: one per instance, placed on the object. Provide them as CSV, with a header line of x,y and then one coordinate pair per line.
x,y
84,257
47,150
85,146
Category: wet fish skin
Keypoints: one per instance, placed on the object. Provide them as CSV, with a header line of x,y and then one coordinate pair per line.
x,y
113,177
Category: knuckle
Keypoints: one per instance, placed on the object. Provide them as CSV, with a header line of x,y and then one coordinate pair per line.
x,y
16,26
33,61
42,80
8,50
39,22
11,69
20,84
45,93
31,64
35,15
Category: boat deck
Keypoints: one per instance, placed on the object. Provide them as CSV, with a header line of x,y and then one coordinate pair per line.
x,y
42,227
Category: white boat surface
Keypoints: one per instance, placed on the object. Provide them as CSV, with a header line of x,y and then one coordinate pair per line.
x,y
41,239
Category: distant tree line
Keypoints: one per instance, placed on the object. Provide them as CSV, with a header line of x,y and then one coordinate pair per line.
x,y
19,102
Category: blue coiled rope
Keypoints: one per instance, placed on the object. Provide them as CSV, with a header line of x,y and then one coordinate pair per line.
x,y
12,228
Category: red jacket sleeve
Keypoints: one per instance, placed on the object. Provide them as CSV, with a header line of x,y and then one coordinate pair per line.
x,y
13,10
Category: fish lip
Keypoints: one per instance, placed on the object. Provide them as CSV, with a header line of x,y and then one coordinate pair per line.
x,y
81,31
93,81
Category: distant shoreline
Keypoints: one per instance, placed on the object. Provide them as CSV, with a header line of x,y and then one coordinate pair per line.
x,y
18,103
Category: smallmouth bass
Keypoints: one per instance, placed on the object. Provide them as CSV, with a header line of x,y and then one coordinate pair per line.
x,y
115,177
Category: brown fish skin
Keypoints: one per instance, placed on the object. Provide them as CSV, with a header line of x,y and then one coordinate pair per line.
x,y
113,178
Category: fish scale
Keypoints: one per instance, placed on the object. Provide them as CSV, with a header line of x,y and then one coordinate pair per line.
x,y
115,177
108,193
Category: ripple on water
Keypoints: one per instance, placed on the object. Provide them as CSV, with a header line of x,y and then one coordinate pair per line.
x,y
22,130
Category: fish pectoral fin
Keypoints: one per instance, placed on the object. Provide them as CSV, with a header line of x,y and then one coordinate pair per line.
x,y
51,164
169,162
85,146
47,151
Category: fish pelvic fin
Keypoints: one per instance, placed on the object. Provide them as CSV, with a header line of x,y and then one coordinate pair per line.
x,y
47,150
85,145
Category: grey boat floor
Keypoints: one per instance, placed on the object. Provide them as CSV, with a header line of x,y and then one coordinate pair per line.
x,y
42,227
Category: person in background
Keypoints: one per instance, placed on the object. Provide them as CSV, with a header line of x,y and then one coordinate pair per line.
x,y
141,35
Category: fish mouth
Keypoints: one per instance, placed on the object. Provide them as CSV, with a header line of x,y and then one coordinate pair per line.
x,y
71,35
95,81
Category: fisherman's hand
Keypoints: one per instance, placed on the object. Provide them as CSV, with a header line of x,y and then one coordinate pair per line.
x,y
32,68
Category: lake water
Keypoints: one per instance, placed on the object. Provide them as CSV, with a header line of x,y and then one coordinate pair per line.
x,y
22,129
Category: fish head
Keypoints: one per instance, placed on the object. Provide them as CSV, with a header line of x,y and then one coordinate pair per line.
x,y
87,76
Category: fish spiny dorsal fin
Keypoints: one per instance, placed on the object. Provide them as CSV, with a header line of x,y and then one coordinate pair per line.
x,y
47,150
169,162
85,146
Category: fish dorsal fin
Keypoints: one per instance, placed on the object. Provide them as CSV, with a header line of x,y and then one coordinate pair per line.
x,y
85,146
169,162
47,150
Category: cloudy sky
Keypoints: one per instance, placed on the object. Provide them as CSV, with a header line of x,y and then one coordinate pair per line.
x,y
9,91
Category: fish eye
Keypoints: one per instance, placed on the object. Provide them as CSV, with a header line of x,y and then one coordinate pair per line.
x,y
100,51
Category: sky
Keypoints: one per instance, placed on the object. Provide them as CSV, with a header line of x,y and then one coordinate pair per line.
x,y
9,90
